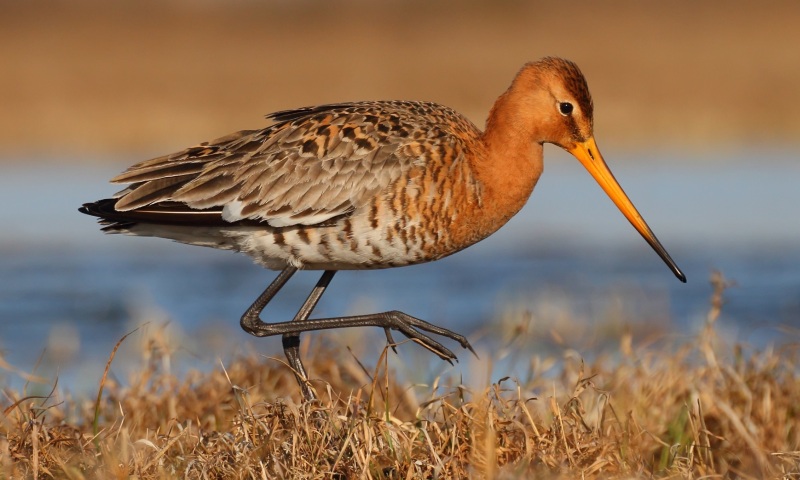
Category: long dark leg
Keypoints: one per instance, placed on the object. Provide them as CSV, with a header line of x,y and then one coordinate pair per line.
x,y
392,320
291,342
250,320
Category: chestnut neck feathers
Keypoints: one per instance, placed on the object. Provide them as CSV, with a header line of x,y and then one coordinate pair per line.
x,y
522,119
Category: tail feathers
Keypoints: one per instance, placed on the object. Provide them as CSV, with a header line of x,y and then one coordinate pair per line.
x,y
101,208
165,213
202,228
107,215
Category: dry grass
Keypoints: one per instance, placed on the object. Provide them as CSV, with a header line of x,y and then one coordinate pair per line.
x,y
691,409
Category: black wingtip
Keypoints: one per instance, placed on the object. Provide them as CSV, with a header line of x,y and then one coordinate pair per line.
x,y
100,208
86,208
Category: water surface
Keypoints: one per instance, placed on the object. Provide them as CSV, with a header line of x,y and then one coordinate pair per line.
x,y
68,292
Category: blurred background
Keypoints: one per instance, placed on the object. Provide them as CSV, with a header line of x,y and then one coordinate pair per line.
x,y
697,111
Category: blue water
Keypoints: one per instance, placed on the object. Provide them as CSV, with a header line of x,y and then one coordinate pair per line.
x,y
68,292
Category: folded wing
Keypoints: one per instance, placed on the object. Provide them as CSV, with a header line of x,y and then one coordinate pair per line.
x,y
314,164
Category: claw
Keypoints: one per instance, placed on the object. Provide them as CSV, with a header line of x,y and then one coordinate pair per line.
x,y
389,339
469,347
444,353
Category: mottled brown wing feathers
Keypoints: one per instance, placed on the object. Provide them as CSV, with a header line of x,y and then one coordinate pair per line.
x,y
314,164
148,192
303,112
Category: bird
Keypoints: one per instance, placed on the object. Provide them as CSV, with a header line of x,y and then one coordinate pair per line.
x,y
365,185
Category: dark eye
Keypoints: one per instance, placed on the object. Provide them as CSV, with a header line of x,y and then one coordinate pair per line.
x,y
565,108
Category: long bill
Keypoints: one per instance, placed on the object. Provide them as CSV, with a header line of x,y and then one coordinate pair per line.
x,y
588,154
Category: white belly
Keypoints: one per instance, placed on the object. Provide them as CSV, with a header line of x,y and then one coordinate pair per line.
x,y
325,248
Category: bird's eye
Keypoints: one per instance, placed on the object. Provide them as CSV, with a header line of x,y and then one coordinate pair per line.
x,y
565,108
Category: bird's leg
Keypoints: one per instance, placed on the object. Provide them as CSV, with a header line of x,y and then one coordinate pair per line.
x,y
392,320
250,320
291,342
409,326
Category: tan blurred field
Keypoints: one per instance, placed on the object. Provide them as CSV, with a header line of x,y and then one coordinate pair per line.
x,y
88,80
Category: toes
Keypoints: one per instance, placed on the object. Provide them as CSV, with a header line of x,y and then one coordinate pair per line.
x,y
432,345
390,339
408,326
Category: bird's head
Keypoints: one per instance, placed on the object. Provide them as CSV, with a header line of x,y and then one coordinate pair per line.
x,y
553,105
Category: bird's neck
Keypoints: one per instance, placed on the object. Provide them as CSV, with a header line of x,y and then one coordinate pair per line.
x,y
512,158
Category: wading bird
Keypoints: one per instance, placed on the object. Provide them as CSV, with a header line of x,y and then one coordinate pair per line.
x,y
365,185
